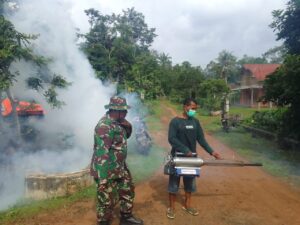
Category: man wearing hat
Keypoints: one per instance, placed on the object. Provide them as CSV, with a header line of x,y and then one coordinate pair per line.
x,y
108,166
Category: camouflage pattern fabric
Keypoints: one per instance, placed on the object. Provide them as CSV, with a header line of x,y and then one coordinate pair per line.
x,y
110,150
127,126
117,103
113,191
108,167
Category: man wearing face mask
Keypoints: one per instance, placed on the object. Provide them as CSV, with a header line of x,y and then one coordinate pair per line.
x,y
184,132
108,166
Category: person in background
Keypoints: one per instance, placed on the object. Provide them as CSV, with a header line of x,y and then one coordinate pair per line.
x,y
108,165
184,132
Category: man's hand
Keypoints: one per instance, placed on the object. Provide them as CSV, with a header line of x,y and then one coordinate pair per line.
x,y
189,154
216,155
127,126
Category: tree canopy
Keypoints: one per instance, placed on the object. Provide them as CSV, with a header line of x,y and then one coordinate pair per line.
x,y
212,92
282,87
224,67
15,46
115,41
286,24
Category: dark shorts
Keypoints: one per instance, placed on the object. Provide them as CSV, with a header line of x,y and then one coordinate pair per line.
x,y
189,183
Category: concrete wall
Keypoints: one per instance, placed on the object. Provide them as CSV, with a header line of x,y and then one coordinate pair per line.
x,y
43,186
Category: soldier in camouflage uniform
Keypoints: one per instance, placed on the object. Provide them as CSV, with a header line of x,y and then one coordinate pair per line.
x,y
108,166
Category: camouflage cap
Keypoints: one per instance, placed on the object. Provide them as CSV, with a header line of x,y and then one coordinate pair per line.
x,y
117,103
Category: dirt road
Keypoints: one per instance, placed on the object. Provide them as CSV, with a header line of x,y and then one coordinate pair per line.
x,y
225,196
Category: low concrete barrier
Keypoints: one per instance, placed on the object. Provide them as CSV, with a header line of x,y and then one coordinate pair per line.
x,y
43,186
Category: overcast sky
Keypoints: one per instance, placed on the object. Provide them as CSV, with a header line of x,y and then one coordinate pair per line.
x,y
197,30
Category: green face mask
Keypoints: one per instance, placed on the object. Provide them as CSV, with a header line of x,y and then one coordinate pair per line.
x,y
191,113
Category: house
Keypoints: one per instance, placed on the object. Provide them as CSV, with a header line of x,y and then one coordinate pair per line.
x,y
251,85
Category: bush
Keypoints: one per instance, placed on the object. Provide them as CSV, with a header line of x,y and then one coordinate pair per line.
x,y
271,120
275,121
211,103
282,87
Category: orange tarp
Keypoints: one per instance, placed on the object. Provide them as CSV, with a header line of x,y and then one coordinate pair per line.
x,y
27,108
6,107
23,108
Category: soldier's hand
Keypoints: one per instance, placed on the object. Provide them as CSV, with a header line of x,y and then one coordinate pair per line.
x,y
127,126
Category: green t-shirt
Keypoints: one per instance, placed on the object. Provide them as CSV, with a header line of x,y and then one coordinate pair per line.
x,y
184,133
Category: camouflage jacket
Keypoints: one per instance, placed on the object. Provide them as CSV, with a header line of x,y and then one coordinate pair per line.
x,y
110,150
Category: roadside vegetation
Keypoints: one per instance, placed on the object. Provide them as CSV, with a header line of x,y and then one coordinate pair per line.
x,y
28,208
283,163
279,162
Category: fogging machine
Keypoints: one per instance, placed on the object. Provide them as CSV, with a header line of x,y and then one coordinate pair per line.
x,y
190,166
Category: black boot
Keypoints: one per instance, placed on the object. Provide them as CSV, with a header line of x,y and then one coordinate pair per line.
x,y
103,223
129,219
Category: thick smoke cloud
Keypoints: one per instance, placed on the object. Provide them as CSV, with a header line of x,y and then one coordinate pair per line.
x,y
84,98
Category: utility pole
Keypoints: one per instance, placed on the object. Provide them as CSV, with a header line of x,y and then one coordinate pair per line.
x,y
225,108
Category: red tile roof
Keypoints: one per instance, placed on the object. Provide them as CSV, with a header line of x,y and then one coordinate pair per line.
x,y
260,71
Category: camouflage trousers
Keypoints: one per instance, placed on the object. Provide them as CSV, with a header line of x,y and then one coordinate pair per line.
x,y
114,191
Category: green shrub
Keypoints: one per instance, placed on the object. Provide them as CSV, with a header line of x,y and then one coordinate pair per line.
x,y
271,120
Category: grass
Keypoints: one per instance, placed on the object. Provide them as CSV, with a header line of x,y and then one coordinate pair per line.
x,y
213,123
142,167
28,208
153,119
276,161
245,112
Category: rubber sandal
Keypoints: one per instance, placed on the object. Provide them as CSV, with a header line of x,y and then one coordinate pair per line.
x,y
191,211
170,213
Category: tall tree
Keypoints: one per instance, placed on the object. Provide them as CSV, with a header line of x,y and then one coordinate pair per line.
x,y
282,87
99,43
14,46
115,41
132,26
2,6
224,67
144,77
252,60
186,80
165,73
212,92
276,54
286,24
